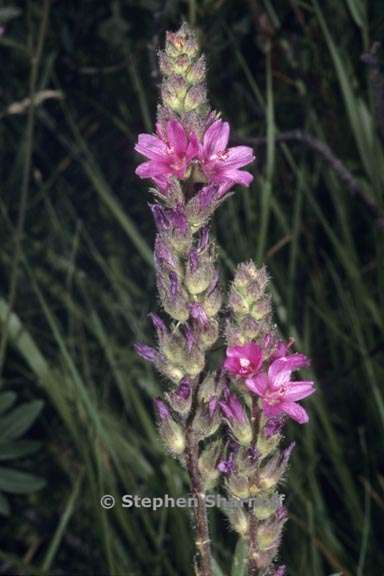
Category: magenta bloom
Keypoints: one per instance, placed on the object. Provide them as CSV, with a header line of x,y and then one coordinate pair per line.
x,y
170,153
278,393
221,164
243,360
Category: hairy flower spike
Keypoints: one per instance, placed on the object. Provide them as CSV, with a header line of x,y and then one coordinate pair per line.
x,y
224,423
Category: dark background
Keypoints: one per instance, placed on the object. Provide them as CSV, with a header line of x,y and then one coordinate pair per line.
x,y
302,82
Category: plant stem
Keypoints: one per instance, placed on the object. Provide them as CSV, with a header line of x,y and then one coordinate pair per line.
x,y
253,569
200,512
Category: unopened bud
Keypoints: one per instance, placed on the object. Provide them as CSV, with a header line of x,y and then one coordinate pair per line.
x,y
208,464
170,431
237,485
239,521
180,399
272,472
265,507
195,97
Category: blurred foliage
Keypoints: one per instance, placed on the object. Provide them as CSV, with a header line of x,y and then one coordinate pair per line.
x,y
77,278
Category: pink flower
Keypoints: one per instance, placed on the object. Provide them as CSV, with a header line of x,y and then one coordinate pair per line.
x,y
278,393
170,153
243,360
221,164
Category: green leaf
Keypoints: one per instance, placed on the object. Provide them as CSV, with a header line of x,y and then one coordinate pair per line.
x,y
217,571
239,564
10,450
15,423
4,505
16,482
7,399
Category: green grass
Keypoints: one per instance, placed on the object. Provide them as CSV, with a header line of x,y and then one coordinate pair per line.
x,y
85,281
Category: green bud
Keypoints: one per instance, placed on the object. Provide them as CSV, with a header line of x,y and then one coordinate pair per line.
x,y
195,97
265,507
208,464
172,435
205,424
237,485
194,362
209,334
207,388
239,521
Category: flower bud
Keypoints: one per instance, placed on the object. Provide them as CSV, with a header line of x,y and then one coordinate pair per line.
x,y
194,362
180,399
265,506
207,388
237,419
213,300
208,464
197,71
209,334
237,485
195,97
269,532
199,272
272,472
206,421
170,431
239,521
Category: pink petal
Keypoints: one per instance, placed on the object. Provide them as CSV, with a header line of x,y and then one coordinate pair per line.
x,y
253,352
238,156
272,409
232,365
216,138
193,147
237,177
151,169
258,384
299,390
235,352
177,138
279,372
151,147
295,411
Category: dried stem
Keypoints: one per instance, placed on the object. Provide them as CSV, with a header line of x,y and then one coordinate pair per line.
x,y
336,164
200,512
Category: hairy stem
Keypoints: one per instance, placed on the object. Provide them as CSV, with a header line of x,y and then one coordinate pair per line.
x,y
200,512
253,569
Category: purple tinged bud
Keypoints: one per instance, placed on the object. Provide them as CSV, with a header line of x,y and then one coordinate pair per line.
x,y
227,466
237,419
162,410
174,284
203,239
190,338
159,325
212,406
193,260
184,390
273,426
280,571
206,196
147,352
198,313
233,409
164,255
159,214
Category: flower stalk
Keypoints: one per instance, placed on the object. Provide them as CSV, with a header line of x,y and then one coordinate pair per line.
x,y
225,424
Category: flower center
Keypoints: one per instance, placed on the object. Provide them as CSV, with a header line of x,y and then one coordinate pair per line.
x,y
222,155
244,362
